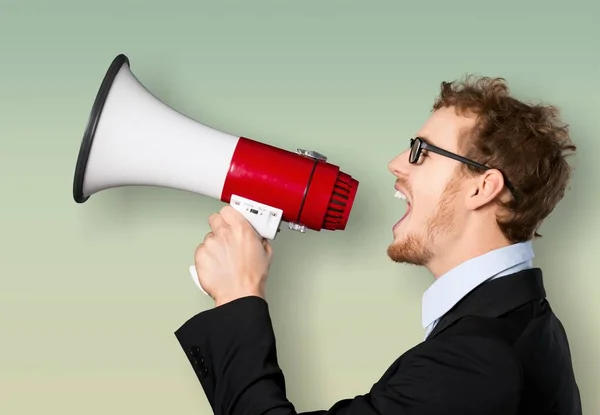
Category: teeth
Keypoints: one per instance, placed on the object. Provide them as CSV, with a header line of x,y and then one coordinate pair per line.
x,y
400,195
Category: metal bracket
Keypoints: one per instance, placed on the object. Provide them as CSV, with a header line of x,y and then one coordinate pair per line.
x,y
312,154
296,227
316,156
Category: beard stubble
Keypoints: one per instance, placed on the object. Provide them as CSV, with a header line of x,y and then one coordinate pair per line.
x,y
417,248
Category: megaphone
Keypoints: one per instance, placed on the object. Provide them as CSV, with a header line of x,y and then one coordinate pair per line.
x,y
134,139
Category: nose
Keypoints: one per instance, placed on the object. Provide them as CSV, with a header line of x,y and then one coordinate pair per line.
x,y
399,165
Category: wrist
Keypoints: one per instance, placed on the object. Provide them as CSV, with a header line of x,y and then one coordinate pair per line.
x,y
224,299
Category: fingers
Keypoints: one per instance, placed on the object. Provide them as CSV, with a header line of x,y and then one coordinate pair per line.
x,y
233,217
216,222
268,248
201,248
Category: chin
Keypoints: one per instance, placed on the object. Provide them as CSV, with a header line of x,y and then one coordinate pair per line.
x,y
410,249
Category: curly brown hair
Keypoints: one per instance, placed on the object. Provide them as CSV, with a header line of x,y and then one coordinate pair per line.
x,y
527,142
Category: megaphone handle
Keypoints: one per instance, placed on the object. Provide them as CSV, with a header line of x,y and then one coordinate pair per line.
x,y
194,275
264,219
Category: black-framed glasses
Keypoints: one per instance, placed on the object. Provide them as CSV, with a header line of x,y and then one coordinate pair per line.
x,y
418,144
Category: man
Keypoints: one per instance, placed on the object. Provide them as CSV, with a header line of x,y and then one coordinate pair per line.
x,y
483,173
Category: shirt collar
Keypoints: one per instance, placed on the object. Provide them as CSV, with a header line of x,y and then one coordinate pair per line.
x,y
451,287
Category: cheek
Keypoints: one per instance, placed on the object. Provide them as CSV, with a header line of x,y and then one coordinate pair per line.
x,y
430,190
433,181
425,206
427,199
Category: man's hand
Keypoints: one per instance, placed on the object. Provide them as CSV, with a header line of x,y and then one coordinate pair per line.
x,y
233,260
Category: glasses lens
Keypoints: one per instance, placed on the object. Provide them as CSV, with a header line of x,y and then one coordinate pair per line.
x,y
414,150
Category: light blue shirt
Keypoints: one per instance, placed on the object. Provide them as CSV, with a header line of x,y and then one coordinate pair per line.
x,y
451,287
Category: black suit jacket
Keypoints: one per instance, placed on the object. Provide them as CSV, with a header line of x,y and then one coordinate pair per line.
x,y
500,351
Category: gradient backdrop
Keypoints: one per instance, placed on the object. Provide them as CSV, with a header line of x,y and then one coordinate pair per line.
x,y
90,294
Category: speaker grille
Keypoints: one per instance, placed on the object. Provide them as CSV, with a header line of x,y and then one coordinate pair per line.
x,y
340,204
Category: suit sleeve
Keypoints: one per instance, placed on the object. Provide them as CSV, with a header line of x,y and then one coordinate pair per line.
x,y
232,350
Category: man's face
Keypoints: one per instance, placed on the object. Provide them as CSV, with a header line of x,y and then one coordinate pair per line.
x,y
432,188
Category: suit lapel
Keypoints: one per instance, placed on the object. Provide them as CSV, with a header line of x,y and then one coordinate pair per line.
x,y
496,297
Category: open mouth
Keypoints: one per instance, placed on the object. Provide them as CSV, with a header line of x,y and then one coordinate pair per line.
x,y
400,195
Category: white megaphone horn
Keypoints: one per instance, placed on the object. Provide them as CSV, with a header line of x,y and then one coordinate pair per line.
x,y
134,139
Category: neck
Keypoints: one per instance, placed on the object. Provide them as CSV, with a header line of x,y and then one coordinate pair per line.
x,y
464,246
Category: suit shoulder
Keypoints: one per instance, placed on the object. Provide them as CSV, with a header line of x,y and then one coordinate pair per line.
x,y
463,373
473,360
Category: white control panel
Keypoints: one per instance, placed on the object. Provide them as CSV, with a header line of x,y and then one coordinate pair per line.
x,y
265,220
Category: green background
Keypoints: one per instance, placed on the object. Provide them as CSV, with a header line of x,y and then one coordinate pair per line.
x,y
90,294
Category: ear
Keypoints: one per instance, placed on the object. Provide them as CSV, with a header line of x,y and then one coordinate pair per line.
x,y
485,189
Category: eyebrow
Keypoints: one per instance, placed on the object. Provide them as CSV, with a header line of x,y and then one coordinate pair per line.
x,y
427,139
